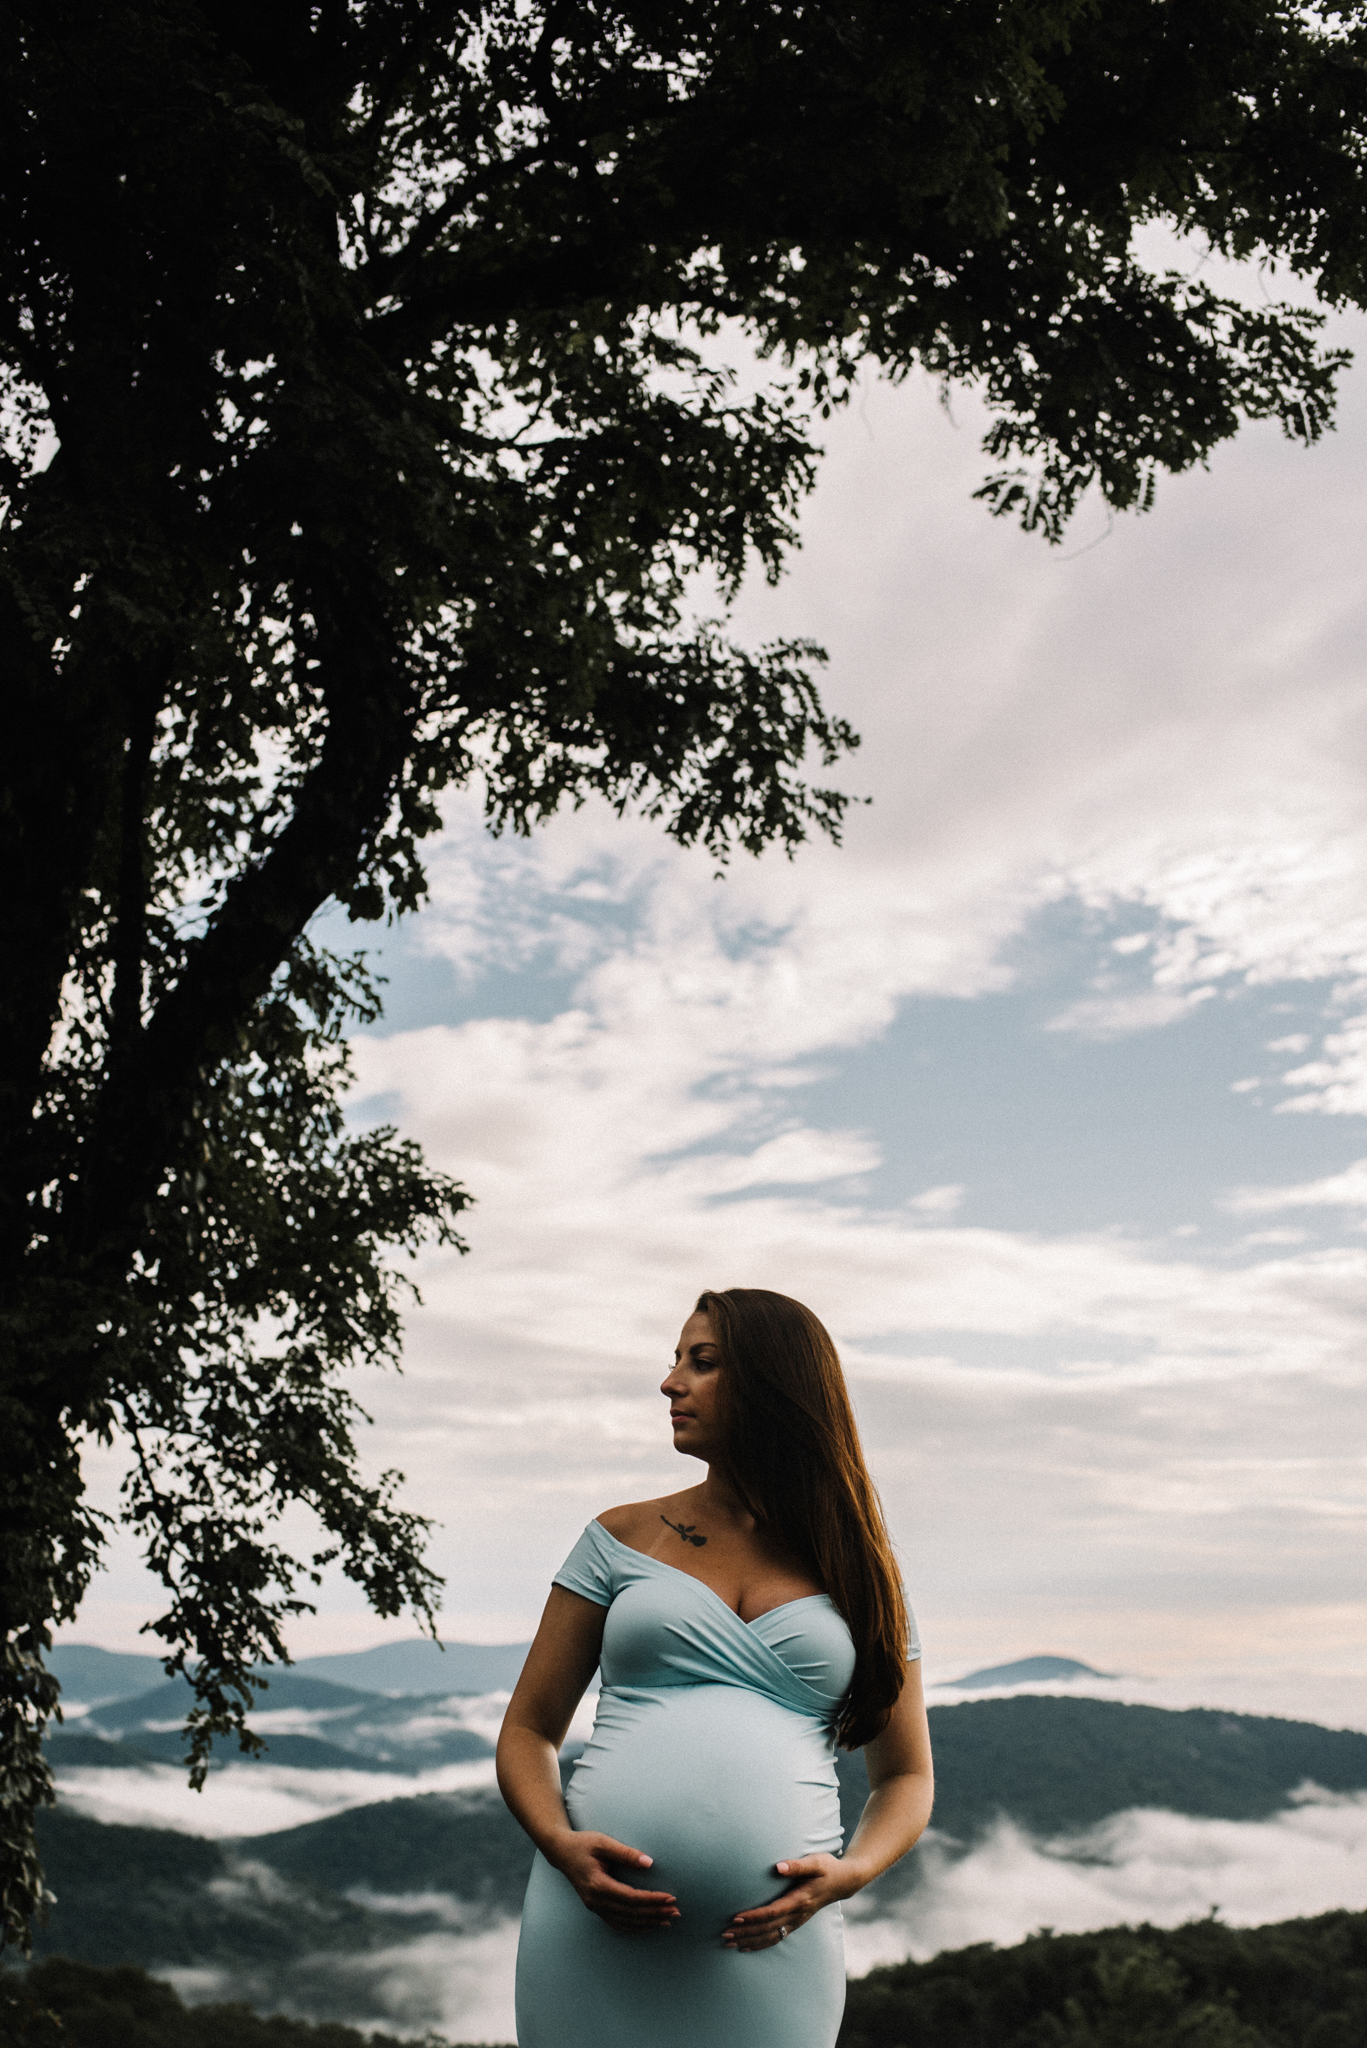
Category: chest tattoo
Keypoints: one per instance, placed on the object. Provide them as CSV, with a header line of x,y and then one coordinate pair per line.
x,y
686,1530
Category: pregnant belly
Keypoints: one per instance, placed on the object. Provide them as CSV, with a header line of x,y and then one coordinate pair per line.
x,y
716,1784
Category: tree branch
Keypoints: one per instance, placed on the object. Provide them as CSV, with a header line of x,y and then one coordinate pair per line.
x,y
60,734
131,927
394,271
149,1103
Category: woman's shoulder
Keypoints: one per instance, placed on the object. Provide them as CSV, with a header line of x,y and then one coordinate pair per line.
x,y
627,1522
637,1522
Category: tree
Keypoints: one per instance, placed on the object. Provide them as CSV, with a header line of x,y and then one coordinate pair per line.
x,y
1296,1984
1144,2002
365,427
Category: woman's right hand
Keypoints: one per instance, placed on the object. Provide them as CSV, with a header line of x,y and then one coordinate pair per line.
x,y
584,1858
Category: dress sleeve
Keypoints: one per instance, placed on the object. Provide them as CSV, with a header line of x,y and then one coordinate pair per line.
x,y
913,1637
587,1570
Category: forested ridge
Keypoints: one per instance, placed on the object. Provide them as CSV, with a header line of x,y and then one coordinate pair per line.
x,y
1056,1764
1296,1984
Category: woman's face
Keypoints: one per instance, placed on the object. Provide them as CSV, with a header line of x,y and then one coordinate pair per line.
x,y
692,1388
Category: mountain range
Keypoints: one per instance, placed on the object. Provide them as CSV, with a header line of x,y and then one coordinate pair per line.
x,y
91,1677
306,1722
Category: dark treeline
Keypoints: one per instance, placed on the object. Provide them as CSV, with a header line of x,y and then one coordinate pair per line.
x,y
1299,1984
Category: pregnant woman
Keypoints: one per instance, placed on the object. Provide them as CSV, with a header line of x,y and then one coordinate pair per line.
x,y
686,1889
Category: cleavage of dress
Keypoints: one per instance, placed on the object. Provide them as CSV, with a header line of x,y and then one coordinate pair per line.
x,y
712,1751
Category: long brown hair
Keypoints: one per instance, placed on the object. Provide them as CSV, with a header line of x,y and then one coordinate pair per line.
x,y
794,1457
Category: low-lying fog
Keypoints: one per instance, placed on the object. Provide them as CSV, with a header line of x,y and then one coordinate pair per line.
x,y
1159,1867
250,1798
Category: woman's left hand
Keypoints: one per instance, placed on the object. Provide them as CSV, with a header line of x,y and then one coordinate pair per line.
x,y
817,1881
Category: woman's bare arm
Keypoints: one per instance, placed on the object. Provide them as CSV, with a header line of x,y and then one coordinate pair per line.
x,y
902,1784
559,1665
901,1788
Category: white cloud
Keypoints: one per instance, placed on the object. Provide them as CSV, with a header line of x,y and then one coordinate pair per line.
x,y
583,1137
1147,1009
459,1983
259,1798
1337,1084
1044,1412
1168,722
1163,1868
796,1158
1347,1189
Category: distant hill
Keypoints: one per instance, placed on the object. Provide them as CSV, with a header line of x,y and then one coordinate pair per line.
x,y
1059,1765
1029,1671
91,1677
171,1700
420,1666
80,1750
465,1844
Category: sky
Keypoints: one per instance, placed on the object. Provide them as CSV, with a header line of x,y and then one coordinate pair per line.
x,y
1046,1090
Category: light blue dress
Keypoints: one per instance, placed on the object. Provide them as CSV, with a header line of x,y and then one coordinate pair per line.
x,y
713,1751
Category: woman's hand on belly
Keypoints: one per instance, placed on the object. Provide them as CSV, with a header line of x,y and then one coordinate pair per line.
x,y
817,1881
899,1804
584,1857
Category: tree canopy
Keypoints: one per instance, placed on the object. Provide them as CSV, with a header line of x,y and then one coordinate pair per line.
x,y
365,432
